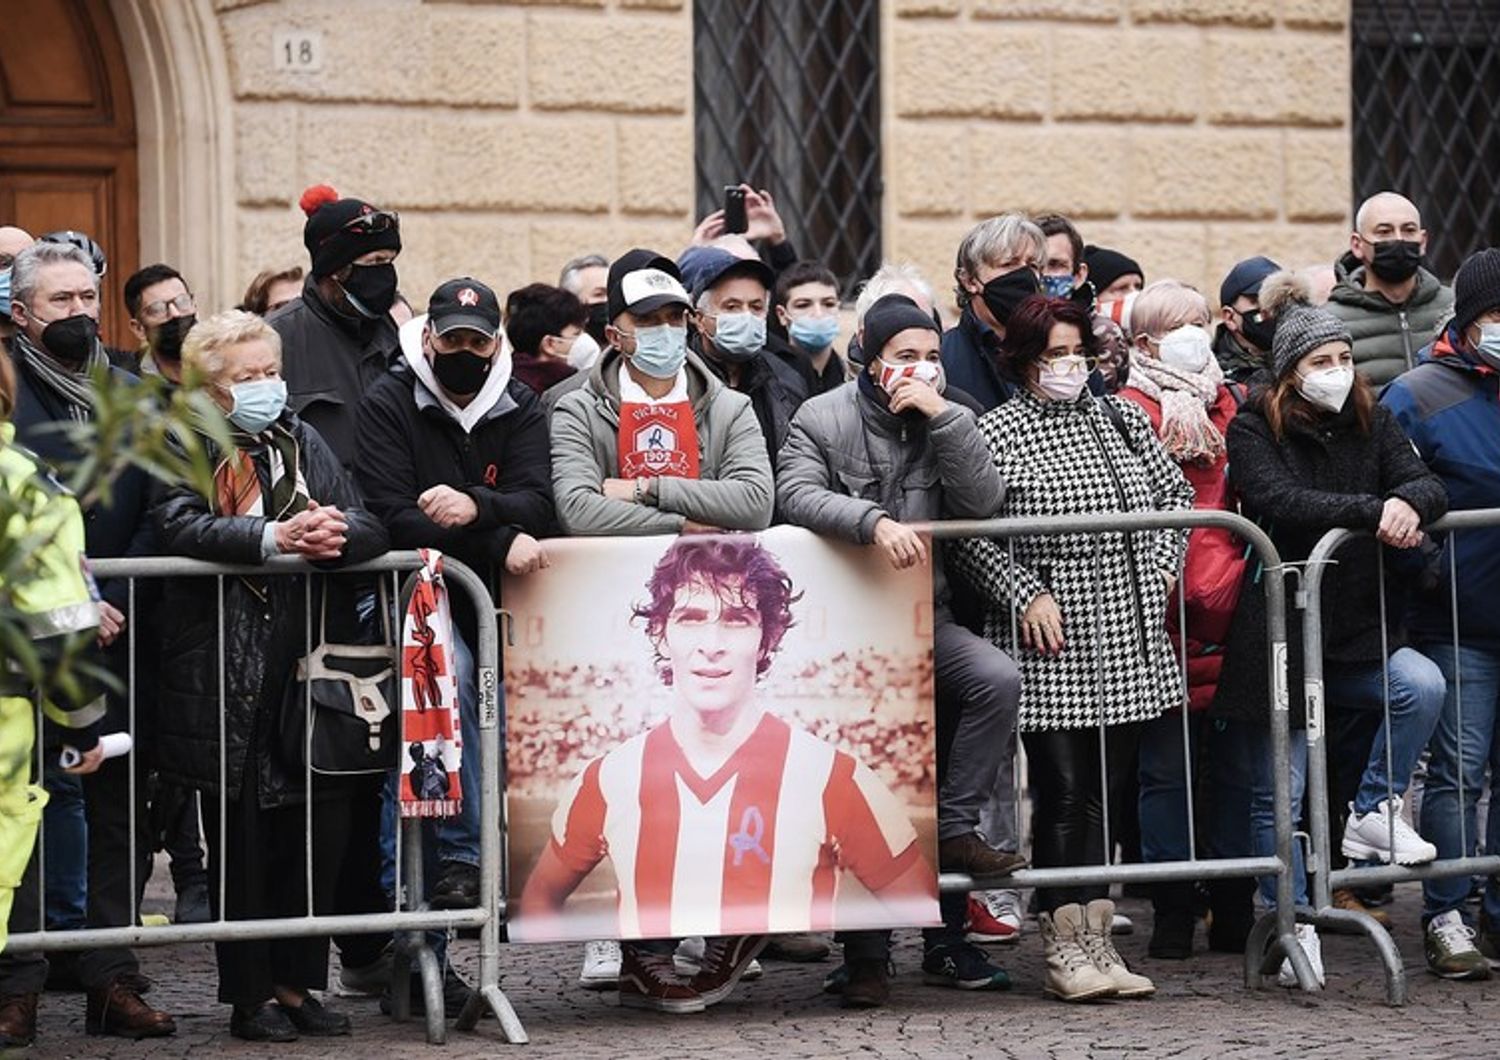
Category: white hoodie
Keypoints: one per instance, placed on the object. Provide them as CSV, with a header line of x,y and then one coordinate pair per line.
x,y
489,395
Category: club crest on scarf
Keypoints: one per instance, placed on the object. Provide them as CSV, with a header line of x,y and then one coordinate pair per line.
x,y
658,440
429,699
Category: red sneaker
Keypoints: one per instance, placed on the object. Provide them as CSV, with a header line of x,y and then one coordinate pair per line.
x,y
650,981
724,962
994,916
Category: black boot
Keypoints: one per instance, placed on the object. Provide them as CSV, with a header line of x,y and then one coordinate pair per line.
x,y
1172,931
1231,905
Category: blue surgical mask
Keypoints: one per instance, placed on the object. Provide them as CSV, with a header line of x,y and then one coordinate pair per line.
x,y
1057,286
814,333
739,336
660,350
257,404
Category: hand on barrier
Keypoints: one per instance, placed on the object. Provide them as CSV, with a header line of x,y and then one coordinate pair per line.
x,y
448,507
691,527
1400,525
111,623
909,393
526,554
1042,625
317,533
901,543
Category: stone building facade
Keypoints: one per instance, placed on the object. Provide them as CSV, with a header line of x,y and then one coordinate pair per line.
x,y
512,135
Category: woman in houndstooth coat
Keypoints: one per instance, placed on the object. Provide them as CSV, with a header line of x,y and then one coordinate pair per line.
x,y
1089,610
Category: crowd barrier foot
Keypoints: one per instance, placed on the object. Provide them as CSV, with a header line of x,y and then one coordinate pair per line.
x,y
413,946
1351,922
499,1004
1267,947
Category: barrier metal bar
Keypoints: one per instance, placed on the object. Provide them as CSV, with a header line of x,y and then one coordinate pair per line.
x,y
491,910
1322,880
1274,936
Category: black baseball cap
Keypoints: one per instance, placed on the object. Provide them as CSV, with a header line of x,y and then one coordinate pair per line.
x,y
1246,278
643,280
463,303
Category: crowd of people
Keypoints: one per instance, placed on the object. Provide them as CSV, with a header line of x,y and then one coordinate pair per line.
x,y
1361,396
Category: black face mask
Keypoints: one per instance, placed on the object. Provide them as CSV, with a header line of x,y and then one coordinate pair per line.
x,y
1008,290
166,338
371,289
598,318
1396,260
461,372
71,339
1257,330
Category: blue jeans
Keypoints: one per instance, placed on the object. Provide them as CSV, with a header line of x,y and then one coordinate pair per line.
x,y
1459,755
65,849
1164,781
1417,691
1245,790
457,837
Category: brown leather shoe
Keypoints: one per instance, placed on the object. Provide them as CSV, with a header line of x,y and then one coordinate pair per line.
x,y
118,1010
17,1021
1346,899
970,854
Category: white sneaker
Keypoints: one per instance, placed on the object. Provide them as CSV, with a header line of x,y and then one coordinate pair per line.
x,y
601,966
1120,924
688,960
1368,837
1307,938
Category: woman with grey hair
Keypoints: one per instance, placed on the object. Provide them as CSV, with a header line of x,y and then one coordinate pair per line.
x,y
279,491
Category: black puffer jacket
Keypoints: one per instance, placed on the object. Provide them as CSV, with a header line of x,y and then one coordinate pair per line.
x,y
330,360
1319,477
775,387
264,631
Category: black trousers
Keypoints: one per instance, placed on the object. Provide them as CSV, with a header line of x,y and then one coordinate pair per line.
x,y
1067,792
113,902
263,859
358,889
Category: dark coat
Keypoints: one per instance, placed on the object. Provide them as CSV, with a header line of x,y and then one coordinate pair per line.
x,y
264,632
970,352
330,361
776,389
1327,475
408,443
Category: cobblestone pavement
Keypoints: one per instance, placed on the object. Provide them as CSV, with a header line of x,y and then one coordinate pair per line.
x,y
1201,1010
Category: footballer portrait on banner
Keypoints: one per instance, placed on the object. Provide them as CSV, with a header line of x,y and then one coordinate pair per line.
x,y
719,734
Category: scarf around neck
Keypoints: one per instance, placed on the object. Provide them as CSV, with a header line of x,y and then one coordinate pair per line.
x,y
73,386
1186,431
237,488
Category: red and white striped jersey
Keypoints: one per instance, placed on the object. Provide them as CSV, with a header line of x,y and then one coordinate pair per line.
x,y
759,846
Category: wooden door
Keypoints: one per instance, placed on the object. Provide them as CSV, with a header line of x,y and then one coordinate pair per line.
x,y
67,135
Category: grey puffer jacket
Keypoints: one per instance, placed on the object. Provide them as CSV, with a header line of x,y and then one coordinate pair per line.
x,y
1387,337
733,490
848,462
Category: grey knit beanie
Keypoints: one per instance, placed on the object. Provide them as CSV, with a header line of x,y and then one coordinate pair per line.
x,y
1301,327
1476,288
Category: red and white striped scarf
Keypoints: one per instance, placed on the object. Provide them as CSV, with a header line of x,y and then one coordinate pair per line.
x,y
429,699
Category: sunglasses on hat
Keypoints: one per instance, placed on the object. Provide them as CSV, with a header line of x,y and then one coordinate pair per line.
x,y
368,224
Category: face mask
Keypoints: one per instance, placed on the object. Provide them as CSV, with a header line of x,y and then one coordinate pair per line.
x,y
922,371
1488,349
1064,378
739,336
1396,260
1327,388
460,372
1257,330
660,351
598,318
71,339
814,333
583,353
1008,290
166,338
5,295
1188,349
258,404
1057,286
371,289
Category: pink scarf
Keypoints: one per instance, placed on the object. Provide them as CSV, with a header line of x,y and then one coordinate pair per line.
x,y
429,699
1186,431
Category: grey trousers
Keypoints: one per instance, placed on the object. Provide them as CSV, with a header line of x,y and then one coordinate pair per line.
x,y
998,819
981,685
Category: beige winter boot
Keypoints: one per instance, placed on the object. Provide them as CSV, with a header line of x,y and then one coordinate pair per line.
x,y
1071,973
1101,950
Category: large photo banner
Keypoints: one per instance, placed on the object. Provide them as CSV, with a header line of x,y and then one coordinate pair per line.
x,y
717,735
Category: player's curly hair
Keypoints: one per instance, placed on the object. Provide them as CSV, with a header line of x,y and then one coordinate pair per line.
x,y
727,563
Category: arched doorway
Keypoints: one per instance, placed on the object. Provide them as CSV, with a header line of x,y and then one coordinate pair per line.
x,y
68,134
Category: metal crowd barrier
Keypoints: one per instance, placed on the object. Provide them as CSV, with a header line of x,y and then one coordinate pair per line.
x,y
1274,935
414,917
1322,879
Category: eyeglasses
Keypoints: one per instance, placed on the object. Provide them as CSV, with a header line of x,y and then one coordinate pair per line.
x,y
367,224
154,312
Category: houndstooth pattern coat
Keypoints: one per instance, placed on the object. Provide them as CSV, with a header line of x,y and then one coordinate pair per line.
x,y
1061,458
